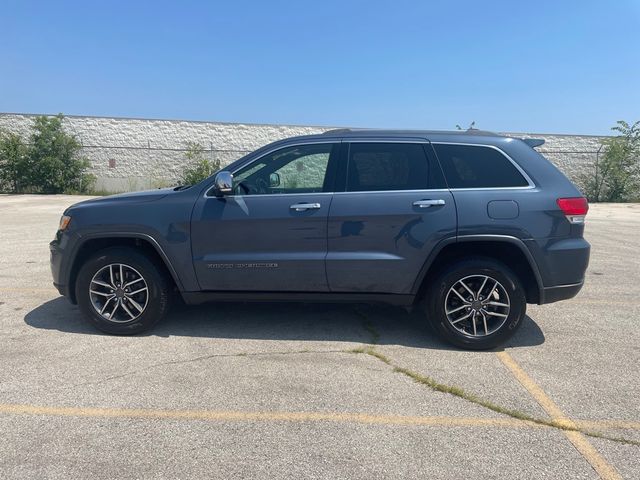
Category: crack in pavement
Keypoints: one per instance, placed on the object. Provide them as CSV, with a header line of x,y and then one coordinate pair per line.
x,y
369,349
188,360
204,357
470,397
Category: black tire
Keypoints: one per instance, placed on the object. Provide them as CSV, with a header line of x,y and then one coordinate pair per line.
x,y
470,270
156,302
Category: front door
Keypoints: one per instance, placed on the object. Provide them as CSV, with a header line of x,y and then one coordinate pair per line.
x,y
393,210
271,233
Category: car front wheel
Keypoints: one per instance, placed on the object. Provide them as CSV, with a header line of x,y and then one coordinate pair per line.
x,y
122,292
476,303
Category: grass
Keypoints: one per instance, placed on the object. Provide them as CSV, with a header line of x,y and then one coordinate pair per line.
x,y
469,397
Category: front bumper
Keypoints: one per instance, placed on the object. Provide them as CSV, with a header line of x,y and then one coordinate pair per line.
x,y
55,260
59,257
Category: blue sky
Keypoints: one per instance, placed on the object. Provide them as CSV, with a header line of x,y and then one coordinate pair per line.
x,y
543,66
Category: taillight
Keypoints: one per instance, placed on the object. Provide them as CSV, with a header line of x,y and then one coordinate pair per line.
x,y
575,209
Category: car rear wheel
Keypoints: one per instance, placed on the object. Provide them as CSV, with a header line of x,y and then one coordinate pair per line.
x,y
122,291
476,303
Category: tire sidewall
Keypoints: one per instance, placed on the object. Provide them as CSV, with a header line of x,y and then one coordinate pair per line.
x,y
493,269
156,283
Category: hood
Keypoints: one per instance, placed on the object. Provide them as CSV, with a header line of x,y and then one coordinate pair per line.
x,y
132,197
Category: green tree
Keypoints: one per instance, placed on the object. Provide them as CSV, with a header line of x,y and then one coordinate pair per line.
x,y
50,163
198,167
13,163
54,157
616,177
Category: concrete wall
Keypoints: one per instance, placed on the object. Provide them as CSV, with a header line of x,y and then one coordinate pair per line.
x,y
146,153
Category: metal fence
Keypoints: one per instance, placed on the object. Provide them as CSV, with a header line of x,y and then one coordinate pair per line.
x,y
130,168
575,164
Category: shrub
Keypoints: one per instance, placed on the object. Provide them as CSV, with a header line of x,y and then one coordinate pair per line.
x,y
56,166
49,164
13,162
199,167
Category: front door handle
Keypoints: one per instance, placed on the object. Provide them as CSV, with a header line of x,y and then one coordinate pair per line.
x,y
301,207
428,203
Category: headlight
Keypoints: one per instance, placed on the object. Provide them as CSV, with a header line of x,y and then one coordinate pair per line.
x,y
64,222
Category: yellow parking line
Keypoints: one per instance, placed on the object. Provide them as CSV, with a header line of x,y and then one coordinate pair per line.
x,y
597,461
619,424
215,415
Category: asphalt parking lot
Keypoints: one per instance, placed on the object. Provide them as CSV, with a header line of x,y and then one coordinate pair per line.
x,y
316,391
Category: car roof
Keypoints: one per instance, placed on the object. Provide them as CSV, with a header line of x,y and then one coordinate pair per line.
x,y
471,136
462,136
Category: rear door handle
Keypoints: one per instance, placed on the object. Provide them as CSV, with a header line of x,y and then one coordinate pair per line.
x,y
428,203
301,207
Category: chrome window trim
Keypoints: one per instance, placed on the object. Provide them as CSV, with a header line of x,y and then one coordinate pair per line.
x,y
369,192
475,189
426,190
531,185
277,195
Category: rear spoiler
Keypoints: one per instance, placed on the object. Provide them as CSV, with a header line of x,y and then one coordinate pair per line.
x,y
533,142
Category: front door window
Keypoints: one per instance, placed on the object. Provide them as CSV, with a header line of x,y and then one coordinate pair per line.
x,y
297,169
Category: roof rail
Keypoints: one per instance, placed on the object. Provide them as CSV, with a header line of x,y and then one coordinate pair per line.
x,y
337,131
471,131
475,131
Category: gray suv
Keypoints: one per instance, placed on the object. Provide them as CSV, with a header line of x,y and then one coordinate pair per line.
x,y
468,227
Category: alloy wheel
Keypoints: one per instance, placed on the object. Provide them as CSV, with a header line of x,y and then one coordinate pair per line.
x,y
477,305
119,293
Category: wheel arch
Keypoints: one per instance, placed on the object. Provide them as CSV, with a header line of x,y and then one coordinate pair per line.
x,y
507,249
93,243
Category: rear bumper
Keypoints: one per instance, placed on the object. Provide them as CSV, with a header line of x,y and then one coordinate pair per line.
x,y
559,292
562,264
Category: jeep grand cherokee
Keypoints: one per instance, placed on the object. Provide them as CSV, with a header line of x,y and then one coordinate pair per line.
x,y
469,227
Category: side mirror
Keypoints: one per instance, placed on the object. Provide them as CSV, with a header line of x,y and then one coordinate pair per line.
x,y
223,183
274,180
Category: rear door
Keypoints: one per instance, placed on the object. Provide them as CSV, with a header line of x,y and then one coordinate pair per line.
x,y
393,209
271,234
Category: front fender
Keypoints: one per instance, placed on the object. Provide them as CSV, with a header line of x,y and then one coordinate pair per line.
x,y
133,235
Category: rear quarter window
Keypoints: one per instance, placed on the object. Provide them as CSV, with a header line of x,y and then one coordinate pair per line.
x,y
474,166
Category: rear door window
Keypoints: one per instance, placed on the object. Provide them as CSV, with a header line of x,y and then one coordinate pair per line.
x,y
475,166
390,166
